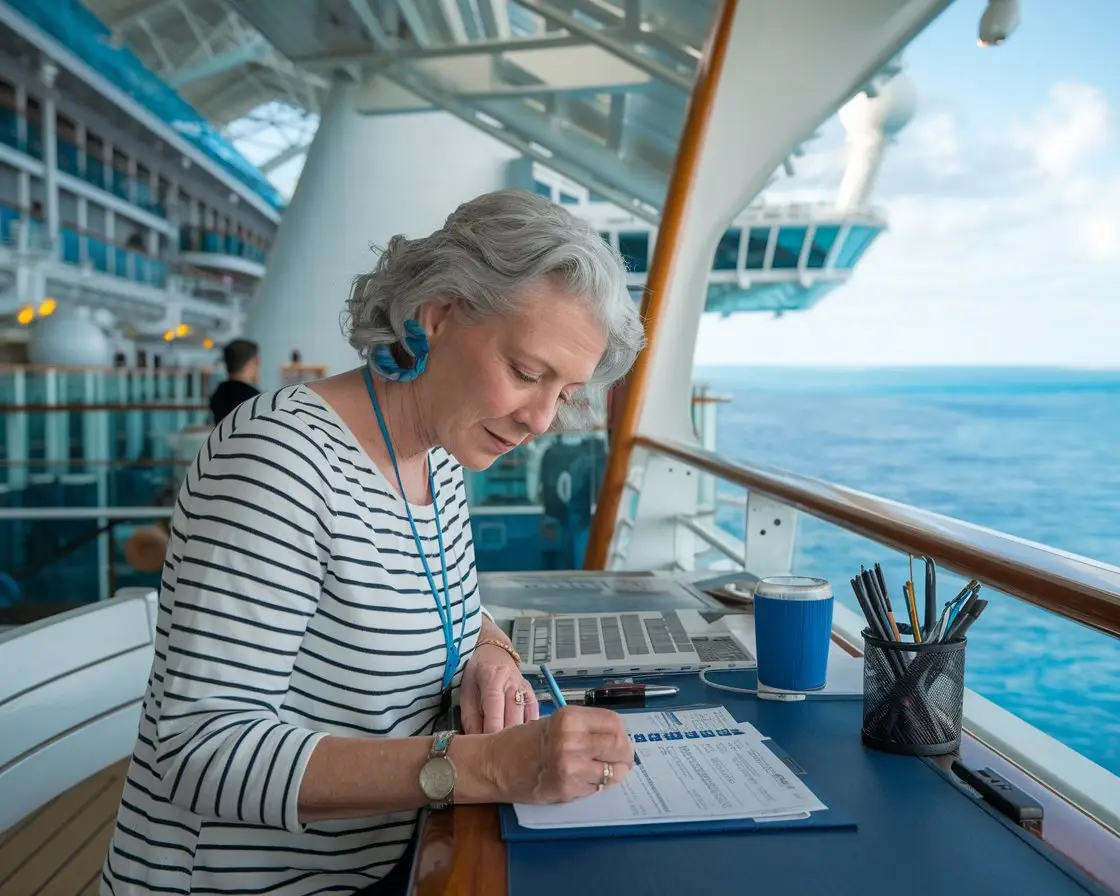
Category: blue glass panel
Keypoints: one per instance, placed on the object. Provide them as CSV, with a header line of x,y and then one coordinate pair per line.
x,y
121,262
9,127
788,250
7,216
95,171
98,253
157,273
139,267
34,140
633,245
70,252
67,157
211,241
568,198
859,238
756,248
542,189
120,183
727,252
822,245
143,194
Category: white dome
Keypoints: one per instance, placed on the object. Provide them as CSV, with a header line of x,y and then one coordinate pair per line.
x,y
69,338
888,113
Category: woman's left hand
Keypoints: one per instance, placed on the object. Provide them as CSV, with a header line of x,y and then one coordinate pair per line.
x,y
494,694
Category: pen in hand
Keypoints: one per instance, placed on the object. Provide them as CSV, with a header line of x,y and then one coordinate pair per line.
x,y
557,697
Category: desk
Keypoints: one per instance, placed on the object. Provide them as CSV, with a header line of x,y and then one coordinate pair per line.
x,y
461,852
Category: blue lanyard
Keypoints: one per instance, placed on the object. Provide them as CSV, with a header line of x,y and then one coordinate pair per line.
x,y
451,664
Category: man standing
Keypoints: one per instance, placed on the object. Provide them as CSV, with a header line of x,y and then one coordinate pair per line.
x,y
243,363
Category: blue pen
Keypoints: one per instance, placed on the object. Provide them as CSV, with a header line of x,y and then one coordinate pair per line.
x,y
557,697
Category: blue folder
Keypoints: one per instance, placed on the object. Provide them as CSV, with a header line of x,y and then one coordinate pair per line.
x,y
957,844
513,831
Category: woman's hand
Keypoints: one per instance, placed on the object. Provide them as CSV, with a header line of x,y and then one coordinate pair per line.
x,y
494,695
574,752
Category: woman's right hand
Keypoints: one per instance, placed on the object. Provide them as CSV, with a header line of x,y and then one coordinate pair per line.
x,y
565,755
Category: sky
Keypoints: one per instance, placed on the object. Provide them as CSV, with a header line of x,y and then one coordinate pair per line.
x,y
1002,197
1003,202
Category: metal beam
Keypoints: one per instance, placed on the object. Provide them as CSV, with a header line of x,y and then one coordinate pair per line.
x,y
372,24
596,36
495,18
475,48
415,21
454,20
220,63
497,125
136,12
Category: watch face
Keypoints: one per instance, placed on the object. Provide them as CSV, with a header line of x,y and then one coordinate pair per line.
x,y
437,778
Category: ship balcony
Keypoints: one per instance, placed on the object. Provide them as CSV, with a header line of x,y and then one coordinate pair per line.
x,y
775,258
220,251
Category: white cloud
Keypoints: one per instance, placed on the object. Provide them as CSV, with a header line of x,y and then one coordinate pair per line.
x,y
1068,132
932,141
1005,259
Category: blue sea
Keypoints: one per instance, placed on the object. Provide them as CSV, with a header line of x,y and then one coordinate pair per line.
x,y
1030,452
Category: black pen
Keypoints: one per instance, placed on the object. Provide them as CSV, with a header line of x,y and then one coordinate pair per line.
x,y
623,695
931,596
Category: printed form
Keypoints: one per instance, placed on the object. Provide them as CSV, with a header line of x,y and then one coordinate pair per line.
x,y
690,765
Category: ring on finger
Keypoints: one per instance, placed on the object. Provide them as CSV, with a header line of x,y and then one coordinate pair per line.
x,y
519,698
608,773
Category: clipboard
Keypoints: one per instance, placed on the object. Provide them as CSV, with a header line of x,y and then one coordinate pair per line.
x,y
512,831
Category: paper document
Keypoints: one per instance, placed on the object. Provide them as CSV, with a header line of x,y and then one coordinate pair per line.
x,y
691,765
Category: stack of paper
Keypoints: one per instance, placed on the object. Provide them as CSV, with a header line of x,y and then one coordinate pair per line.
x,y
690,765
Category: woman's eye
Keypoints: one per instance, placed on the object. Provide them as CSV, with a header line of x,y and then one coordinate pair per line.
x,y
522,375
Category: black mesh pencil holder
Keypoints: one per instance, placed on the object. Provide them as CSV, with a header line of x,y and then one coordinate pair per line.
x,y
913,696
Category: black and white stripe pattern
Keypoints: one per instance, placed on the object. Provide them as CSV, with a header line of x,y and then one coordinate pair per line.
x,y
293,605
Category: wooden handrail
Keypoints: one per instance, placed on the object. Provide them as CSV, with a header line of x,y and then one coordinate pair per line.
x,y
1073,587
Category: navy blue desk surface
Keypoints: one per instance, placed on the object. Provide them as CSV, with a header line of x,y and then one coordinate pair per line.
x,y
917,833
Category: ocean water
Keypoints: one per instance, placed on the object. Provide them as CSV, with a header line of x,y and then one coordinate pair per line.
x,y
1030,452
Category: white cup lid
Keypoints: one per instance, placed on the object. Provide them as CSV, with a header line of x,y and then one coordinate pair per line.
x,y
793,588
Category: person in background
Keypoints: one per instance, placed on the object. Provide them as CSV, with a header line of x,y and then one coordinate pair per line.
x,y
243,363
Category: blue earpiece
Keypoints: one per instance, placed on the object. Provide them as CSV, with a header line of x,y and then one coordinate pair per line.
x,y
415,343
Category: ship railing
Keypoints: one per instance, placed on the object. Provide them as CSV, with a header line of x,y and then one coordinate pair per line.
x,y
1070,586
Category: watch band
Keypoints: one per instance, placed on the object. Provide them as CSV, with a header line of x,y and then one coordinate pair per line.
x,y
441,743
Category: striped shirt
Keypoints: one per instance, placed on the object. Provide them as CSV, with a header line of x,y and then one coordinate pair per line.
x,y
293,605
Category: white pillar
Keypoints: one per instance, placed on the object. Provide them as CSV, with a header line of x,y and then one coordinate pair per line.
x,y
366,179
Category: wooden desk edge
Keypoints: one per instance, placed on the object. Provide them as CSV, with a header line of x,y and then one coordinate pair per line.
x,y
461,853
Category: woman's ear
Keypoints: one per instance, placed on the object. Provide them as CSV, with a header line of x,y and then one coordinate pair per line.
x,y
433,316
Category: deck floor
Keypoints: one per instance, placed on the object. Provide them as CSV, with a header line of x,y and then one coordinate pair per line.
x,y
58,850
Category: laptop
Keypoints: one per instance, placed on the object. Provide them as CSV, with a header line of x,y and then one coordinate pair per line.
x,y
627,643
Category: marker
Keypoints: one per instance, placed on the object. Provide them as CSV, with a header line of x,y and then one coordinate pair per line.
x,y
557,698
622,695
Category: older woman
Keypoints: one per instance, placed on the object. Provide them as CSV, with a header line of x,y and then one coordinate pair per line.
x,y
319,606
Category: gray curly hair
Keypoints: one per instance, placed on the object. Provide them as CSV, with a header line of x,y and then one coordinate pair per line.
x,y
485,254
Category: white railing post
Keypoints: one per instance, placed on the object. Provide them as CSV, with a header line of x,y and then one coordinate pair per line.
x,y
769,534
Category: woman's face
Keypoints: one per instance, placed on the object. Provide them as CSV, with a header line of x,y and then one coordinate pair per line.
x,y
492,384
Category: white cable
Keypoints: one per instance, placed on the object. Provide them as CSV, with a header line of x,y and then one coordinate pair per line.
x,y
725,687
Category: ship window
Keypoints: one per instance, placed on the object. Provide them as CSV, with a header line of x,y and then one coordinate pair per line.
x,y
788,250
605,236
727,252
542,189
756,247
596,197
823,240
568,198
634,248
859,238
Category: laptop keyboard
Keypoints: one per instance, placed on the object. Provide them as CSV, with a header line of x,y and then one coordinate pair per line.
x,y
590,636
